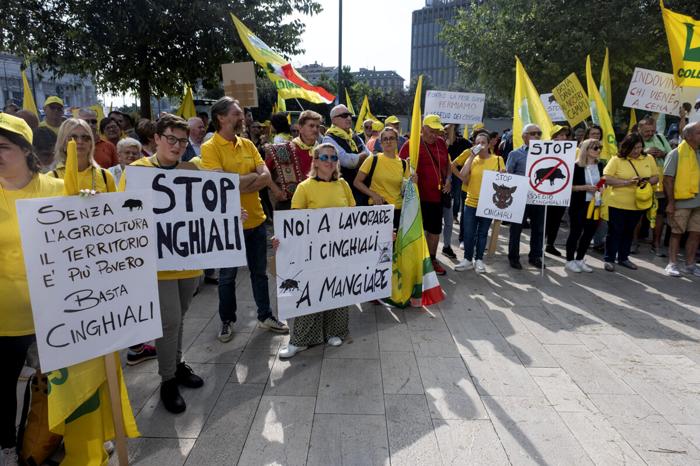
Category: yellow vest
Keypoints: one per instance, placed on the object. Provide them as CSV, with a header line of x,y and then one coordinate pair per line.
x,y
687,173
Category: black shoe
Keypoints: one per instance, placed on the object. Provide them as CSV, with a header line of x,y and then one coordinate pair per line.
x,y
515,264
537,263
186,377
550,249
447,251
170,396
211,280
628,264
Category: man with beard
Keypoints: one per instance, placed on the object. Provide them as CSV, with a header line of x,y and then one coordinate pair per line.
x,y
228,152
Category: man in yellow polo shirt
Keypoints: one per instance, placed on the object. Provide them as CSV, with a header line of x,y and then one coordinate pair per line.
x,y
227,152
53,109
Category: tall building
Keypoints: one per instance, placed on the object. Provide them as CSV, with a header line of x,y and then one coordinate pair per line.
x,y
386,80
74,90
427,51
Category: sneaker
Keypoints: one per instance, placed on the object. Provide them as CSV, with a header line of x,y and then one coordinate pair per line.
x,y
479,266
550,249
585,267
448,252
609,266
273,325
335,341
628,264
290,350
438,268
186,377
171,398
226,332
672,270
10,456
463,265
693,270
137,357
573,266
461,245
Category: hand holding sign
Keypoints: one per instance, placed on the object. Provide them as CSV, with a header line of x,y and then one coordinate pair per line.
x,y
550,168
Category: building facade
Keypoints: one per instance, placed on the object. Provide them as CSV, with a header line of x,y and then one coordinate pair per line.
x,y
74,90
314,72
386,80
428,56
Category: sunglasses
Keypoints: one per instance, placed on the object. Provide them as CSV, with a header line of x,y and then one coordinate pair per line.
x,y
326,158
81,137
344,115
596,147
535,133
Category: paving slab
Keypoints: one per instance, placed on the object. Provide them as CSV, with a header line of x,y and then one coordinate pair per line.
x,y
150,451
412,438
400,374
348,439
297,376
253,366
464,442
350,386
563,394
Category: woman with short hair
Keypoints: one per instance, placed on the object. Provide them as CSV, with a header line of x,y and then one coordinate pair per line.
x,y
128,151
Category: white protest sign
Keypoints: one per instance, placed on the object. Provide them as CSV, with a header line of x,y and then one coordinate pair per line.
x,y
328,258
463,108
197,215
656,92
502,196
550,169
91,270
554,110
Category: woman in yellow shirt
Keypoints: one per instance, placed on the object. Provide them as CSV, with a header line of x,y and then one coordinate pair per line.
x,y
476,229
623,173
322,189
19,179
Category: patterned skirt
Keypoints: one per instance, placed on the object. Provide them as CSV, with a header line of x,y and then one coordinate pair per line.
x,y
317,328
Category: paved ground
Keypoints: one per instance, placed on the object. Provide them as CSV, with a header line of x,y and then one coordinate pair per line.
x,y
511,368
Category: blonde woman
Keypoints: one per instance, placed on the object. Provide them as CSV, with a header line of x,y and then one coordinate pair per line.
x,y
588,172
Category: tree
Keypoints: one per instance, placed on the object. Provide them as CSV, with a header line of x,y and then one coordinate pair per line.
x,y
552,40
152,47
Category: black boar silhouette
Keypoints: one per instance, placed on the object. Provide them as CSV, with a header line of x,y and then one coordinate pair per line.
x,y
542,172
132,204
503,197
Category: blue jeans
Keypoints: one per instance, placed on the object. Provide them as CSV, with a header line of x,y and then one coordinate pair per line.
x,y
447,220
256,256
476,232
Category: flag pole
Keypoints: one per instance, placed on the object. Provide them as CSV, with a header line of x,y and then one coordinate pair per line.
x,y
544,235
340,50
117,415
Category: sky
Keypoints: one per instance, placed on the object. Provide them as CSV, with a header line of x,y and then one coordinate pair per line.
x,y
376,33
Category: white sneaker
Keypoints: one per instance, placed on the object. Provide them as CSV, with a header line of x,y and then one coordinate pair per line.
x,y
290,350
692,270
479,266
463,265
573,266
335,341
584,267
672,270
9,457
461,246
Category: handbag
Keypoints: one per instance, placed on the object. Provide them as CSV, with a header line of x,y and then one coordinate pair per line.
x,y
643,193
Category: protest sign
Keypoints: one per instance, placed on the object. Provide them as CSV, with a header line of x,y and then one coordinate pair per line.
x,y
328,258
239,82
656,92
91,270
197,217
553,109
550,169
502,196
455,107
573,100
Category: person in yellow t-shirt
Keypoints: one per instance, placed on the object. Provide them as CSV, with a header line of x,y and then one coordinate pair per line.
x,y
322,189
228,152
19,179
53,111
623,173
386,181
88,175
474,162
175,288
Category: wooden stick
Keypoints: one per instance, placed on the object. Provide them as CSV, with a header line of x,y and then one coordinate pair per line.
x,y
493,242
117,416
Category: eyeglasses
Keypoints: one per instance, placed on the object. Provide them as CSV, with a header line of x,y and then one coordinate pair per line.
x,y
344,115
535,133
80,137
389,138
326,157
596,147
92,121
172,140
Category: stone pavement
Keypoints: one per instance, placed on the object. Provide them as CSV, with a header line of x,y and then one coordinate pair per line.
x,y
511,368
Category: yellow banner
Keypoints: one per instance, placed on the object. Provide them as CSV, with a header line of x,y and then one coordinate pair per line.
x,y
605,87
365,114
187,109
600,115
683,34
572,99
416,125
527,107
348,103
27,97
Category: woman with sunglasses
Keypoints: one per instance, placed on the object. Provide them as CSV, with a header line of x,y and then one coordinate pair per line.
x,y
323,188
386,173
588,172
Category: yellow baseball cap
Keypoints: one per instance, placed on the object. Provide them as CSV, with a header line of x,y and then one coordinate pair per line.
x,y
433,121
391,120
556,129
477,126
52,99
16,125
377,126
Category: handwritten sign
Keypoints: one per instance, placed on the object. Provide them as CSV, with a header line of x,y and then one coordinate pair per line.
x,y
573,99
553,109
502,196
330,258
656,92
463,108
550,169
91,269
197,215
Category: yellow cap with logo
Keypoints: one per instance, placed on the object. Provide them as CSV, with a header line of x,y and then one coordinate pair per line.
x,y
53,99
16,125
434,122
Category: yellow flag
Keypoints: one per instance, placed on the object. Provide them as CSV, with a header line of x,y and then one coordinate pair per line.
x,y
28,99
600,115
286,79
633,120
348,103
365,114
605,88
187,109
281,103
527,107
683,34
416,124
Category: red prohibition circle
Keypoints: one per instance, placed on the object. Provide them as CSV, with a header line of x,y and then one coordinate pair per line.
x,y
561,162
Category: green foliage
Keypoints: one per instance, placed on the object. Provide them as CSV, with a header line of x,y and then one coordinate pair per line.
x,y
552,39
152,46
